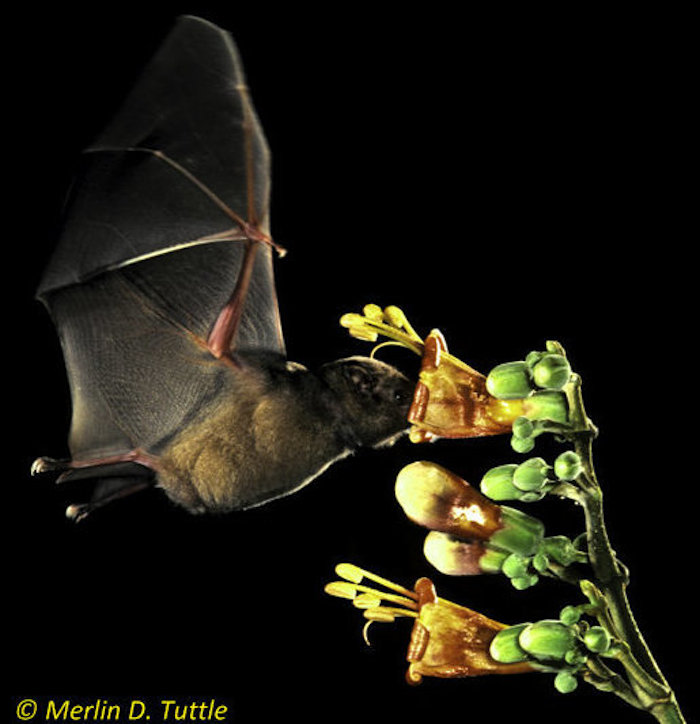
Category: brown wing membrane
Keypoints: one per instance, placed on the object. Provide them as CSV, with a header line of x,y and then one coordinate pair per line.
x,y
165,260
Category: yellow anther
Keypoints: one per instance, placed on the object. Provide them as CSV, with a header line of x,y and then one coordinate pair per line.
x,y
366,335
367,600
395,316
341,589
350,572
379,614
352,320
373,312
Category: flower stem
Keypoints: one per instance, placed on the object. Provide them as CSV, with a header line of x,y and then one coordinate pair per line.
x,y
646,684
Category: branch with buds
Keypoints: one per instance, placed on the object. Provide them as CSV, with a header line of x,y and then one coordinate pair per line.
x,y
471,532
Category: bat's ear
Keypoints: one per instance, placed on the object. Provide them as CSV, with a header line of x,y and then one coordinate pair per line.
x,y
360,377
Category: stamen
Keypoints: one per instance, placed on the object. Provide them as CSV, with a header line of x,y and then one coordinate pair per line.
x,y
365,629
379,614
345,589
388,613
383,596
383,344
373,312
366,600
396,327
362,333
396,316
351,572
370,600
341,589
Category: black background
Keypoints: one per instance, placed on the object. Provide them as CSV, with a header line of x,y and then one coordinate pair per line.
x,y
509,180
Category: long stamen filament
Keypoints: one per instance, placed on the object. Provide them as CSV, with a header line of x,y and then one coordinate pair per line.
x,y
355,574
380,596
387,613
376,348
399,329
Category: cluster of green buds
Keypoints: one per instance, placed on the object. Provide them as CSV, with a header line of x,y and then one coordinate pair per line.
x,y
562,646
532,479
470,534
540,379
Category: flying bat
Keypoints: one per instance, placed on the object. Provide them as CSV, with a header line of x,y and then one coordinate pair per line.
x,y
162,292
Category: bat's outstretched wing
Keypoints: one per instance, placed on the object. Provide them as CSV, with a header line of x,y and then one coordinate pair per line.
x,y
166,226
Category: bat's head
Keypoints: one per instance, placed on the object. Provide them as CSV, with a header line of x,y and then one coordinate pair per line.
x,y
374,398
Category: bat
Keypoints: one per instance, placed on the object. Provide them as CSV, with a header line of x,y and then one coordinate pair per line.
x,y
161,288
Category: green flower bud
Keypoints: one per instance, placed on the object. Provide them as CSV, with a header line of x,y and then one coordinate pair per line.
x,y
561,549
531,497
533,358
492,561
523,582
570,615
568,466
597,639
505,648
551,345
515,566
520,533
523,427
541,562
509,381
547,639
531,475
547,405
497,483
522,444
574,657
565,682
552,372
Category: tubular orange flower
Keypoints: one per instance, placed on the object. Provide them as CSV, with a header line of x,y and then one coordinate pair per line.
x,y
447,640
451,399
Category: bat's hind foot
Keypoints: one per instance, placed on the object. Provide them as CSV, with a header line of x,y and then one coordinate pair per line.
x,y
107,491
76,513
69,468
48,465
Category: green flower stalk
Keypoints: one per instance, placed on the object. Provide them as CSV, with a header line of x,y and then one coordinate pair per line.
x,y
616,634
598,640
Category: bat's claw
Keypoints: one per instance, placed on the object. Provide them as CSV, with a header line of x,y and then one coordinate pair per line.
x,y
76,513
47,465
